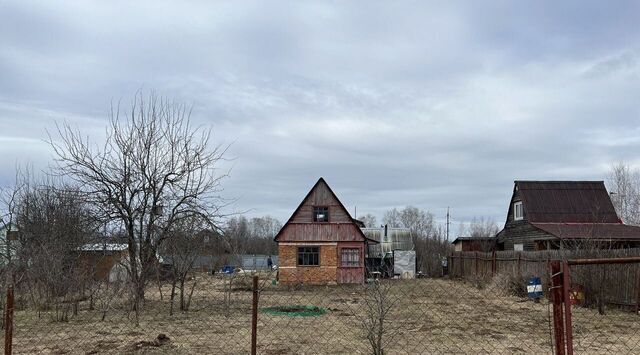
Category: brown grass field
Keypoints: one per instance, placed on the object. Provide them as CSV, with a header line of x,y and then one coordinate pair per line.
x,y
428,316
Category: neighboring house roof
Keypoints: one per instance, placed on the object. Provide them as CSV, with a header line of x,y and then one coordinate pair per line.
x,y
103,247
600,231
314,228
572,210
566,202
473,239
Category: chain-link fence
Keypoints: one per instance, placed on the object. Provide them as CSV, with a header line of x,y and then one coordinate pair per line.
x,y
212,310
603,299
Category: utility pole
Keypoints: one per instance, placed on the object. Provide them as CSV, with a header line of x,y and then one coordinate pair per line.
x,y
448,223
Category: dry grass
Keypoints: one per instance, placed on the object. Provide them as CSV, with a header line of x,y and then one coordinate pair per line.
x,y
429,316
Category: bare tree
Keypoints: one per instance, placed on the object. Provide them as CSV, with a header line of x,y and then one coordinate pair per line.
x,y
392,218
9,199
483,228
184,248
369,220
153,170
624,186
54,223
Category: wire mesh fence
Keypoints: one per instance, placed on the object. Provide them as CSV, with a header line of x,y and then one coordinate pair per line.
x,y
211,310
604,306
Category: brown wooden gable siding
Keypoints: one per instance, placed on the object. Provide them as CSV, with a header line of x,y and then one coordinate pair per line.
x,y
321,196
300,226
324,232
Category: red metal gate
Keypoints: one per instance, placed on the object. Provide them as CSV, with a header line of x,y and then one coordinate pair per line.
x,y
560,296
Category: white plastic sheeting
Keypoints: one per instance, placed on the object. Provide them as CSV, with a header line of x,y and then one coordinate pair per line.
x,y
404,264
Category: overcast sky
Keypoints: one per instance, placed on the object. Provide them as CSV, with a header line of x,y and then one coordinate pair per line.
x,y
394,103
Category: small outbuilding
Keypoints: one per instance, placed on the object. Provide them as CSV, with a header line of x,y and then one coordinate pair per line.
x,y
321,243
484,244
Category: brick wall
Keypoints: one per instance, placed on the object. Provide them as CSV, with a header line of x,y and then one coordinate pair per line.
x,y
290,273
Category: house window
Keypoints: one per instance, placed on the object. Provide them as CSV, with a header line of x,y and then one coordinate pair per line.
x,y
518,247
320,214
517,211
308,256
350,257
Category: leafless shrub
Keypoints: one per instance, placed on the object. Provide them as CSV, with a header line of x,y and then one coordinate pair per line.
x,y
377,302
106,294
54,223
508,284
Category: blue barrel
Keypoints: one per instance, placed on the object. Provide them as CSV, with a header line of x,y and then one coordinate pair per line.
x,y
228,269
534,287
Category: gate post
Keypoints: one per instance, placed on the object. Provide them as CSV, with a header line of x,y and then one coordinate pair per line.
x,y
566,289
556,295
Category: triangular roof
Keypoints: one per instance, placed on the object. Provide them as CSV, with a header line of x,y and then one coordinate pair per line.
x,y
566,202
315,186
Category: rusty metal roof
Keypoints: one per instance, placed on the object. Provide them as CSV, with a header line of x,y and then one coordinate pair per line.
x,y
566,202
597,231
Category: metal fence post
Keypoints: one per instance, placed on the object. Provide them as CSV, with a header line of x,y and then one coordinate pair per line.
x,y
566,289
556,298
254,316
8,322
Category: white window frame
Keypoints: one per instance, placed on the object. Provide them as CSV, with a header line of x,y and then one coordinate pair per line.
x,y
517,207
518,247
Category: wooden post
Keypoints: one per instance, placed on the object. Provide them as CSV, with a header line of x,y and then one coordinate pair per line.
x,y
556,297
493,264
254,316
8,322
518,263
476,257
638,292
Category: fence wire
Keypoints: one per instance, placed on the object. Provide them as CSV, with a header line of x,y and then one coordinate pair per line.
x,y
604,302
89,308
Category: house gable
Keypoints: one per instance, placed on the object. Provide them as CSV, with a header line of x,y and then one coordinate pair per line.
x,y
301,226
555,210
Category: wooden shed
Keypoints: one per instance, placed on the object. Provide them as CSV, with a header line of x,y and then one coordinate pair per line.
x,y
321,243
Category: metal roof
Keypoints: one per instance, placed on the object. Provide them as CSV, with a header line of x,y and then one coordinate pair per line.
x,y
104,247
598,231
566,202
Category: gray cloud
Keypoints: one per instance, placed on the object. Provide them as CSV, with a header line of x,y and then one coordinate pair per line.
x,y
394,103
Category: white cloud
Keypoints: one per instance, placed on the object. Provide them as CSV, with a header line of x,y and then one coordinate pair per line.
x,y
394,103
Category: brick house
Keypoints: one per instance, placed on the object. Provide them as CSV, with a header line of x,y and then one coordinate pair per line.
x,y
321,243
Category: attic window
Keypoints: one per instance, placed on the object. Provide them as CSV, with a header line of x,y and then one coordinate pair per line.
x,y
518,214
320,214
